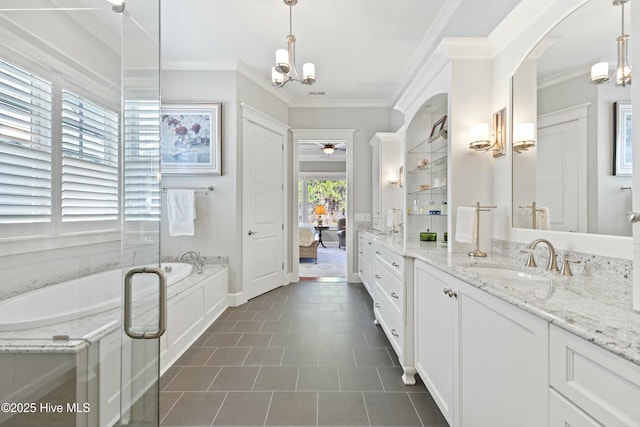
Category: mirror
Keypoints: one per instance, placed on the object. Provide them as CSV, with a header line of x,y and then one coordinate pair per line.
x,y
564,128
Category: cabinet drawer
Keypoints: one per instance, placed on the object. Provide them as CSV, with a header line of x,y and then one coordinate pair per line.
x,y
563,413
390,286
603,385
390,321
393,260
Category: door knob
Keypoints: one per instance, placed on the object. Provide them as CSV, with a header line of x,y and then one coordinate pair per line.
x,y
633,217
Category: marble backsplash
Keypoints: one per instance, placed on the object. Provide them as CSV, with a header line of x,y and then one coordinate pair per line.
x,y
590,265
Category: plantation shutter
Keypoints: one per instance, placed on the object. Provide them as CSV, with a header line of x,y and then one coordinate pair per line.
x,y
89,160
142,161
25,146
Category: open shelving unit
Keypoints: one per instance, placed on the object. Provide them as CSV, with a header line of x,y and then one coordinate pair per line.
x,y
427,161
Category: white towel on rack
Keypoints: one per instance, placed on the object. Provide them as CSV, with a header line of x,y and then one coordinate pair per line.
x,y
543,221
466,225
181,212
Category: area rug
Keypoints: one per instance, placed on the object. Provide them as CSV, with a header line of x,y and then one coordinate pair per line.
x,y
332,262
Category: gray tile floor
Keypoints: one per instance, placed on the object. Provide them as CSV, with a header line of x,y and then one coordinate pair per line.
x,y
306,354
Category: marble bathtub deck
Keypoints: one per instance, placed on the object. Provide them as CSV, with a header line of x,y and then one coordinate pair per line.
x,y
84,331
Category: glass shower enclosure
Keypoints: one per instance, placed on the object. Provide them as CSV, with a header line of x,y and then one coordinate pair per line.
x,y
82,294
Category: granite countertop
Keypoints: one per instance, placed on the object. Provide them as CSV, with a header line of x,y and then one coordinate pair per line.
x,y
596,308
84,331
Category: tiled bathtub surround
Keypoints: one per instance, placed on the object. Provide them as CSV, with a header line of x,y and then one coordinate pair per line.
x,y
590,265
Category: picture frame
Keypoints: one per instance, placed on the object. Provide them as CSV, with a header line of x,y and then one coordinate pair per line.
x,y
622,148
190,138
438,125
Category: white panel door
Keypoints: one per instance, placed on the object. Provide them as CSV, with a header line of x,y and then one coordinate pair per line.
x,y
558,181
263,208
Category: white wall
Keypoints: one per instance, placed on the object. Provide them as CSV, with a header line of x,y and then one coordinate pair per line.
x,y
218,224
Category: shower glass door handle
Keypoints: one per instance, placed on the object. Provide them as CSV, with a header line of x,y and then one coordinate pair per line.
x,y
129,301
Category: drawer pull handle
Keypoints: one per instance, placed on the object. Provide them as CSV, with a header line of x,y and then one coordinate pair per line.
x,y
360,270
378,253
377,276
377,305
451,293
395,264
369,243
393,294
394,333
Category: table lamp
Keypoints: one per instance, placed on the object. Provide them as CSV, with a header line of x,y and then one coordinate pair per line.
x,y
319,211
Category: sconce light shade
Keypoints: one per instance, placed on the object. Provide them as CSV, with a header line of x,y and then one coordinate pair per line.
x,y
600,72
393,178
480,137
523,137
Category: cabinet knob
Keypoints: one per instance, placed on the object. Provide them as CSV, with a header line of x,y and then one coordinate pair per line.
x,y
377,276
394,333
369,243
377,305
393,294
395,264
360,270
378,253
446,291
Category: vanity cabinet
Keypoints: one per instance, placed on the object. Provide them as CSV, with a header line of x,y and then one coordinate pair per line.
x,y
392,291
365,260
589,385
484,361
386,158
436,317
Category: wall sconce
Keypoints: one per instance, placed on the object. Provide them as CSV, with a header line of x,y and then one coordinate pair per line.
x,y
523,137
482,141
393,178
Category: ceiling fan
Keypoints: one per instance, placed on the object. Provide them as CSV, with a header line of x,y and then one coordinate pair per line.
x,y
329,149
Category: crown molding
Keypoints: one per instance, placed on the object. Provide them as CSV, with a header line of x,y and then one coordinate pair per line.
x,y
340,103
427,46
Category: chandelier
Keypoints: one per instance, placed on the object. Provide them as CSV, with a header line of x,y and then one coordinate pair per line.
x,y
285,69
622,74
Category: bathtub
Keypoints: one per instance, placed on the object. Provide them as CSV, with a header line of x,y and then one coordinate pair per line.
x,y
78,298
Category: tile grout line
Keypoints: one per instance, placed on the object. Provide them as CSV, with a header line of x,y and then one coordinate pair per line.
x,y
172,379
415,409
366,408
266,416
172,406
219,409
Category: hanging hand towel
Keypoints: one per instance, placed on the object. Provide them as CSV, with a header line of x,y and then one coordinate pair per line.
x,y
181,212
466,225
543,221
390,218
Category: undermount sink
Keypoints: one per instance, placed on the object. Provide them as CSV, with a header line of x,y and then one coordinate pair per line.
x,y
506,273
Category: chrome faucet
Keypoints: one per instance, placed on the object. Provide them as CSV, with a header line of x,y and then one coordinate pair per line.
x,y
553,256
194,259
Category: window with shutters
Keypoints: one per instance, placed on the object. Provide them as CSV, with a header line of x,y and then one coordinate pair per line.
x,y
25,146
142,145
59,157
89,160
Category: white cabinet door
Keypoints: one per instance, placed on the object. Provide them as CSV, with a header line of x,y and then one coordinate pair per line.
x,y
435,319
503,363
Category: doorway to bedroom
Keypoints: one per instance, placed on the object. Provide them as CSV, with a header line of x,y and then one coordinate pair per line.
x,y
322,209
